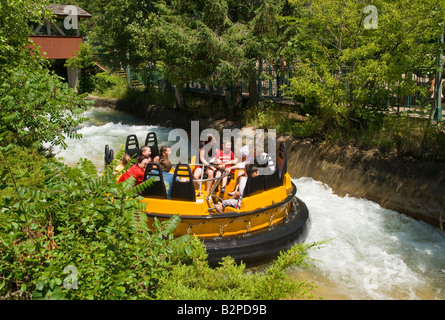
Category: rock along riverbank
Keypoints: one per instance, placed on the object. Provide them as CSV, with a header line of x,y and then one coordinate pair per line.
x,y
404,184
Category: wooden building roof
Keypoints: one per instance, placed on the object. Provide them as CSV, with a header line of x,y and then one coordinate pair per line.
x,y
59,10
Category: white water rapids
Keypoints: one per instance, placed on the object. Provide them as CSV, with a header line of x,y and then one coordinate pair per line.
x,y
373,253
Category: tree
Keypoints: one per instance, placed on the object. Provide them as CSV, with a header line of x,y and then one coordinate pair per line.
x,y
118,31
176,36
349,69
252,37
15,44
215,42
188,40
36,107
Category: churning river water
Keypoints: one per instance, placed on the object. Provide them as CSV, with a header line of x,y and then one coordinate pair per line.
x,y
372,252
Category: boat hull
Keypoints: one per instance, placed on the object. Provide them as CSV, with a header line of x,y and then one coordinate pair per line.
x,y
253,237
262,246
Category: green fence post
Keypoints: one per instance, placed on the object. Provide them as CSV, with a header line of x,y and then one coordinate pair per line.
x,y
260,86
270,81
438,85
290,77
127,69
408,98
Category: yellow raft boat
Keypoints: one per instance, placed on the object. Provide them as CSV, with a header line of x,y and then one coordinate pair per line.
x,y
271,217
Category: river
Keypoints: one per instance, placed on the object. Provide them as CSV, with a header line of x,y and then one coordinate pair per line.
x,y
373,253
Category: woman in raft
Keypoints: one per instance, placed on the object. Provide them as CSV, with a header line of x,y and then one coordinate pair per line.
x,y
137,170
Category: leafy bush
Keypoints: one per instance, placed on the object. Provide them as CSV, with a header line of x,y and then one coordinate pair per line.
x,y
83,236
285,120
106,81
83,59
102,84
198,281
22,168
87,223
397,133
307,129
87,83
37,108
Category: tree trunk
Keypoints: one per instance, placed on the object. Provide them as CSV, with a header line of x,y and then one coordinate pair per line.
x,y
253,89
228,98
238,98
210,95
179,97
432,110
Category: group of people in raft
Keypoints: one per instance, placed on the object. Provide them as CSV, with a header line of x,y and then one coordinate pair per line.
x,y
224,159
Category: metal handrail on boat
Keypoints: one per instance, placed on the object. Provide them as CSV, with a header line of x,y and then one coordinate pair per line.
x,y
224,174
214,186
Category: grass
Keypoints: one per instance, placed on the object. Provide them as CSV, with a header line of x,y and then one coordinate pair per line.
x,y
399,134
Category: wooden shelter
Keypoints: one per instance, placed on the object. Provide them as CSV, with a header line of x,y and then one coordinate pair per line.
x,y
61,39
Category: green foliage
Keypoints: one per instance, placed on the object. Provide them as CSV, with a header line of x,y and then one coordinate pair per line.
x,y
345,67
120,29
83,59
399,134
197,281
87,221
286,120
87,83
15,19
83,236
217,42
23,168
104,85
105,81
38,108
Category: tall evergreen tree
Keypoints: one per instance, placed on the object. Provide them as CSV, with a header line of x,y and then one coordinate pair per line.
x,y
216,42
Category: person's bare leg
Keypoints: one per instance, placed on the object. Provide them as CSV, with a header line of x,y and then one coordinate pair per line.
x,y
197,176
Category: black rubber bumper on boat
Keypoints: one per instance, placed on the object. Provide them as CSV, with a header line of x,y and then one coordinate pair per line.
x,y
261,247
